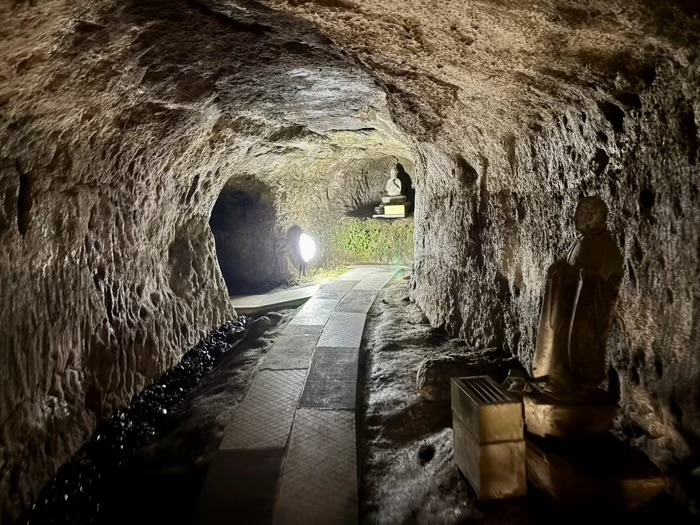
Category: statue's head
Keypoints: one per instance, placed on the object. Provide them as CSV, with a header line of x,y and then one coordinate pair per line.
x,y
394,172
591,215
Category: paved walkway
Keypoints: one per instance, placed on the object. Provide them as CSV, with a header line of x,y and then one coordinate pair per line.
x,y
250,304
289,455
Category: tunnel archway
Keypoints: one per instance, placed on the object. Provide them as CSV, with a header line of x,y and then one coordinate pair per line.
x,y
250,250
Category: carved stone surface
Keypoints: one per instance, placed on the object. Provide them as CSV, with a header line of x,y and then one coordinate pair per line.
x,y
117,137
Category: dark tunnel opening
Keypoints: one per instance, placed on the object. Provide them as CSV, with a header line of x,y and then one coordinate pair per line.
x,y
243,222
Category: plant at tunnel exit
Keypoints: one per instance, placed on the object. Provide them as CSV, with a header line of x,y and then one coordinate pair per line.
x,y
372,241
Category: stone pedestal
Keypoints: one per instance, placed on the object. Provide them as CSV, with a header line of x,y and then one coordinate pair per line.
x,y
393,199
393,211
584,472
546,417
488,438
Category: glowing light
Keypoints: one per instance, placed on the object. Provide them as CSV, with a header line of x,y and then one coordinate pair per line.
x,y
307,247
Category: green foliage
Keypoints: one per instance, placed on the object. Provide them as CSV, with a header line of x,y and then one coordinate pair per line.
x,y
367,241
323,274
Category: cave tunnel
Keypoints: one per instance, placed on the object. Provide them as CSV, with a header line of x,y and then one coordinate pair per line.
x,y
160,160
249,250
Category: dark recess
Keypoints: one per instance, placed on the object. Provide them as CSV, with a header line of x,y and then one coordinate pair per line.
x,y
406,183
630,99
647,200
689,129
600,161
613,114
192,190
467,173
247,243
24,204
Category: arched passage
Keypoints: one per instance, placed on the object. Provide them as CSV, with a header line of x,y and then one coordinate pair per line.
x,y
250,250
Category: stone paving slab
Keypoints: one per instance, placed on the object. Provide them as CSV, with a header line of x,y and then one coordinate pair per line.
x,y
343,329
332,380
356,274
263,419
333,363
315,312
301,401
240,487
303,329
319,481
357,301
249,304
290,351
376,281
337,289
330,394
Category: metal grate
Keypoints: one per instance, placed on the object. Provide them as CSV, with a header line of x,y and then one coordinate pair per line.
x,y
486,391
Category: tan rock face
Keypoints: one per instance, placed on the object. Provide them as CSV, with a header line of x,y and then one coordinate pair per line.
x,y
121,122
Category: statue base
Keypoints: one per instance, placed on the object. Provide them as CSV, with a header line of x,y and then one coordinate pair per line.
x,y
394,199
392,211
547,417
578,472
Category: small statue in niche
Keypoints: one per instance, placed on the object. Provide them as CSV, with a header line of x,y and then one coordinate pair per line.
x,y
580,295
394,204
393,186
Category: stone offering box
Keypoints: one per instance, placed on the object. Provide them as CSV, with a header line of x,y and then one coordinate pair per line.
x,y
489,445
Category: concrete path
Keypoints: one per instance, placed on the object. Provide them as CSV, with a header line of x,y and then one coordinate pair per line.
x,y
289,454
250,304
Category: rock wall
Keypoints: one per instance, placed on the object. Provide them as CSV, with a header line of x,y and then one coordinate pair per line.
x,y
511,206
120,123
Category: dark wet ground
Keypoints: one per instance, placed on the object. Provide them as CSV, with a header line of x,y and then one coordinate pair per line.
x,y
146,464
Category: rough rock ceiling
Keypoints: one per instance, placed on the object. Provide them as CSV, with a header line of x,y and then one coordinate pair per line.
x,y
493,65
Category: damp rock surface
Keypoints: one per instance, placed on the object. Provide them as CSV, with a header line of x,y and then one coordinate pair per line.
x,y
434,373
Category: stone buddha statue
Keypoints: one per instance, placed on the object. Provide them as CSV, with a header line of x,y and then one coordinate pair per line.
x,y
393,186
394,203
580,294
